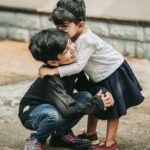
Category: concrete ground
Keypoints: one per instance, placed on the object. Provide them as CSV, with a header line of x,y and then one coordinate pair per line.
x,y
17,71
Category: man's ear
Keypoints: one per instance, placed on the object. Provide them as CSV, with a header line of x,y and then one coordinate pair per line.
x,y
54,63
81,24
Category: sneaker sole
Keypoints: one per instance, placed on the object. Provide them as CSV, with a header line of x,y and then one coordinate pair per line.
x,y
81,147
84,147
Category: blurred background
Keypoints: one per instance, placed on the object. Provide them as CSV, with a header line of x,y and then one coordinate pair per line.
x,y
125,24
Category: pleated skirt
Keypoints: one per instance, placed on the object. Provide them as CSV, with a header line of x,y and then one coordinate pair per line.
x,y
125,90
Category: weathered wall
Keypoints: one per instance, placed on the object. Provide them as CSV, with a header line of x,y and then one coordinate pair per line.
x,y
129,37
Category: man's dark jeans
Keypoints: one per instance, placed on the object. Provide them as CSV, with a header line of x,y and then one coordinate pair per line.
x,y
45,119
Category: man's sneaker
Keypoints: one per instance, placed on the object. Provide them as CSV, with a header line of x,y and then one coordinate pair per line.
x,y
92,137
32,144
69,141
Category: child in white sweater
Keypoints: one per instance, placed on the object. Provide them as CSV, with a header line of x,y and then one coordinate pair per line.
x,y
102,63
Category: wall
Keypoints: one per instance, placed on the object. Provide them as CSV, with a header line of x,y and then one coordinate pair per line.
x,y
131,38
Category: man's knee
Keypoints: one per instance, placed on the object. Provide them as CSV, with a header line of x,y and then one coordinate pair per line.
x,y
82,96
54,117
86,96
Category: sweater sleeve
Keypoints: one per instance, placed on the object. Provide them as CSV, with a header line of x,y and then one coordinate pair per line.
x,y
85,50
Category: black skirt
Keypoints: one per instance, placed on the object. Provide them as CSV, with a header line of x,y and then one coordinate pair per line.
x,y
124,88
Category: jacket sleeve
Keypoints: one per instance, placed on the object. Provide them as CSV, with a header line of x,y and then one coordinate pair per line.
x,y
94,88
56,94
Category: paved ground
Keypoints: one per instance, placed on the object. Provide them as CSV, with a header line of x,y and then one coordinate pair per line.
x,y
17,71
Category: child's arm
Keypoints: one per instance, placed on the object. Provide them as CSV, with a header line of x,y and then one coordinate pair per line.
x,y
44,70
84,53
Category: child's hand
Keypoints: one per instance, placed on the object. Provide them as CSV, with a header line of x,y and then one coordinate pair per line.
x,y
43,71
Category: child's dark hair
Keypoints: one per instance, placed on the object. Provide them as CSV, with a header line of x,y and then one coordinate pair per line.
x,y
69,10
47,44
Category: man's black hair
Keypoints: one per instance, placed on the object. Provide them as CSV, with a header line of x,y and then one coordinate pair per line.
x,y
47,44
69,10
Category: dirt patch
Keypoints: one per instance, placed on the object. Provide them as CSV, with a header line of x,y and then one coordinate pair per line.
x,y
16,62
12,77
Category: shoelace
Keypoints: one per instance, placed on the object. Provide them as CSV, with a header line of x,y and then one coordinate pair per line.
x,y
32,144
28,144
39,146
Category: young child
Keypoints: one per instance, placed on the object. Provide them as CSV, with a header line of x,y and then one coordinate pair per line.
x,y
102,63
46,106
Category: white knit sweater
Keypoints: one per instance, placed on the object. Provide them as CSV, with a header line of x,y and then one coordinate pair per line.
x,y
96,57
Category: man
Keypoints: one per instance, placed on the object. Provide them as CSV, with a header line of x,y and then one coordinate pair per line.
x,y
47,105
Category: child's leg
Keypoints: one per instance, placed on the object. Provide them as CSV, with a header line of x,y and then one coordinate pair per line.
x,y
91,124
112,127
91,133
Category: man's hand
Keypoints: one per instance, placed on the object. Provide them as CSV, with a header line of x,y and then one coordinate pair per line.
x,y
107,99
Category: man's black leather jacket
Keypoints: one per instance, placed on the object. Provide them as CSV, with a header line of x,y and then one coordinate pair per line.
x,y
55,90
